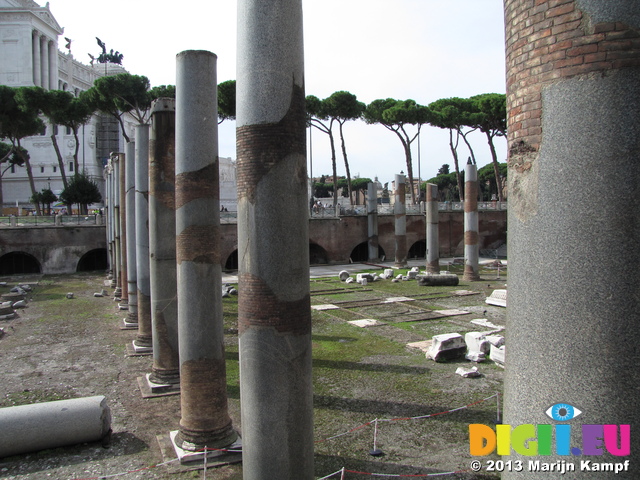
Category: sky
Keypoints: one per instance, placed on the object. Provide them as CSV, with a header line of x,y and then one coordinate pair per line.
x,y
406,49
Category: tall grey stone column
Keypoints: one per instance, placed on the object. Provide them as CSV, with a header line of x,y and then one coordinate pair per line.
x,y
471,247
124,277
130,219
433,238
372,221
107,211
274,314
572,317
162,244
35,38
400,213
115,217
143,342
205,420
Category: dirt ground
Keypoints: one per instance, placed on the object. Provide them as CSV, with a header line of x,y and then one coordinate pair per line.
x,y
59,348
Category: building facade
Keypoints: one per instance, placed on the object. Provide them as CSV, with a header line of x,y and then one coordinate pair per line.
x,y
30,56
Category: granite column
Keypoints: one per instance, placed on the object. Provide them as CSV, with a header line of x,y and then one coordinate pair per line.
x,y
372,222
130,220
143,342
124,277
400,213
471,247
572,317
274,315
162,246
433,239
205,420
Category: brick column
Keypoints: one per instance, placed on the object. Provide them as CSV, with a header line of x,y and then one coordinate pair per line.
x,y
573,77
274,314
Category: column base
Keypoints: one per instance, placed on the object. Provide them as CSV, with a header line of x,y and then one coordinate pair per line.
x,y
128,325
217,457
123,306
150,389
134,350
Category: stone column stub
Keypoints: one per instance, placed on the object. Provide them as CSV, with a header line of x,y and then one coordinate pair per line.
x,y
471,234
433,239
400,213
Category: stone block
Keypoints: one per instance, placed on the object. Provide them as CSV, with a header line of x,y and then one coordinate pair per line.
x,y
497,354
476,356
476,342
468,372
447,346
497,298
343,275
495,340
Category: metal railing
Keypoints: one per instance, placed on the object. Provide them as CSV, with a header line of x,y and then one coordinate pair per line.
x,y
50,220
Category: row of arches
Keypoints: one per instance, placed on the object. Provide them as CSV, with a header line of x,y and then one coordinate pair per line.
x,y
15,263
319,256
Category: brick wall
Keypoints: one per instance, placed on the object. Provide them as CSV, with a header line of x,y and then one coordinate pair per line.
x,y
548,41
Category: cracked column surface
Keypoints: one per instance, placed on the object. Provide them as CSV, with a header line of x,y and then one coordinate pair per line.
x,y
130,205
471,248
274,316
143,338
162,243
400,213
205,420
573,77
433,240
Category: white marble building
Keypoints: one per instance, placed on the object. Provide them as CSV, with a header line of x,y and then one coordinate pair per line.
x,y
29,56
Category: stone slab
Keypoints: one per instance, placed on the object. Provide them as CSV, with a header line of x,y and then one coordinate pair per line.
x,y
327,306
398,299
497,298
423,346
366,322
135,351
169,456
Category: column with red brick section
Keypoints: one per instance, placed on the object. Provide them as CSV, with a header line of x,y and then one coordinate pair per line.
x,y
143,342
122,167
433,239
162,246
400,214
372,222
471,247
274,314
205,420
131,321
573,77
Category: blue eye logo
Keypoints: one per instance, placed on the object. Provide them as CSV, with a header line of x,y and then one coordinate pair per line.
x,y
562,412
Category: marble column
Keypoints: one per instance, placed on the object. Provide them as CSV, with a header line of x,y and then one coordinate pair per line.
x,y
44,62
274,314
471,247
130,204
53,65
400,213
37,77
162,244
143,342
574,231
372,222
433,238
205,420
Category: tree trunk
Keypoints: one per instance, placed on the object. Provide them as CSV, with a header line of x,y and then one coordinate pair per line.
x,y
75,152
346,163
496,172
454,152
54,139
27,164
